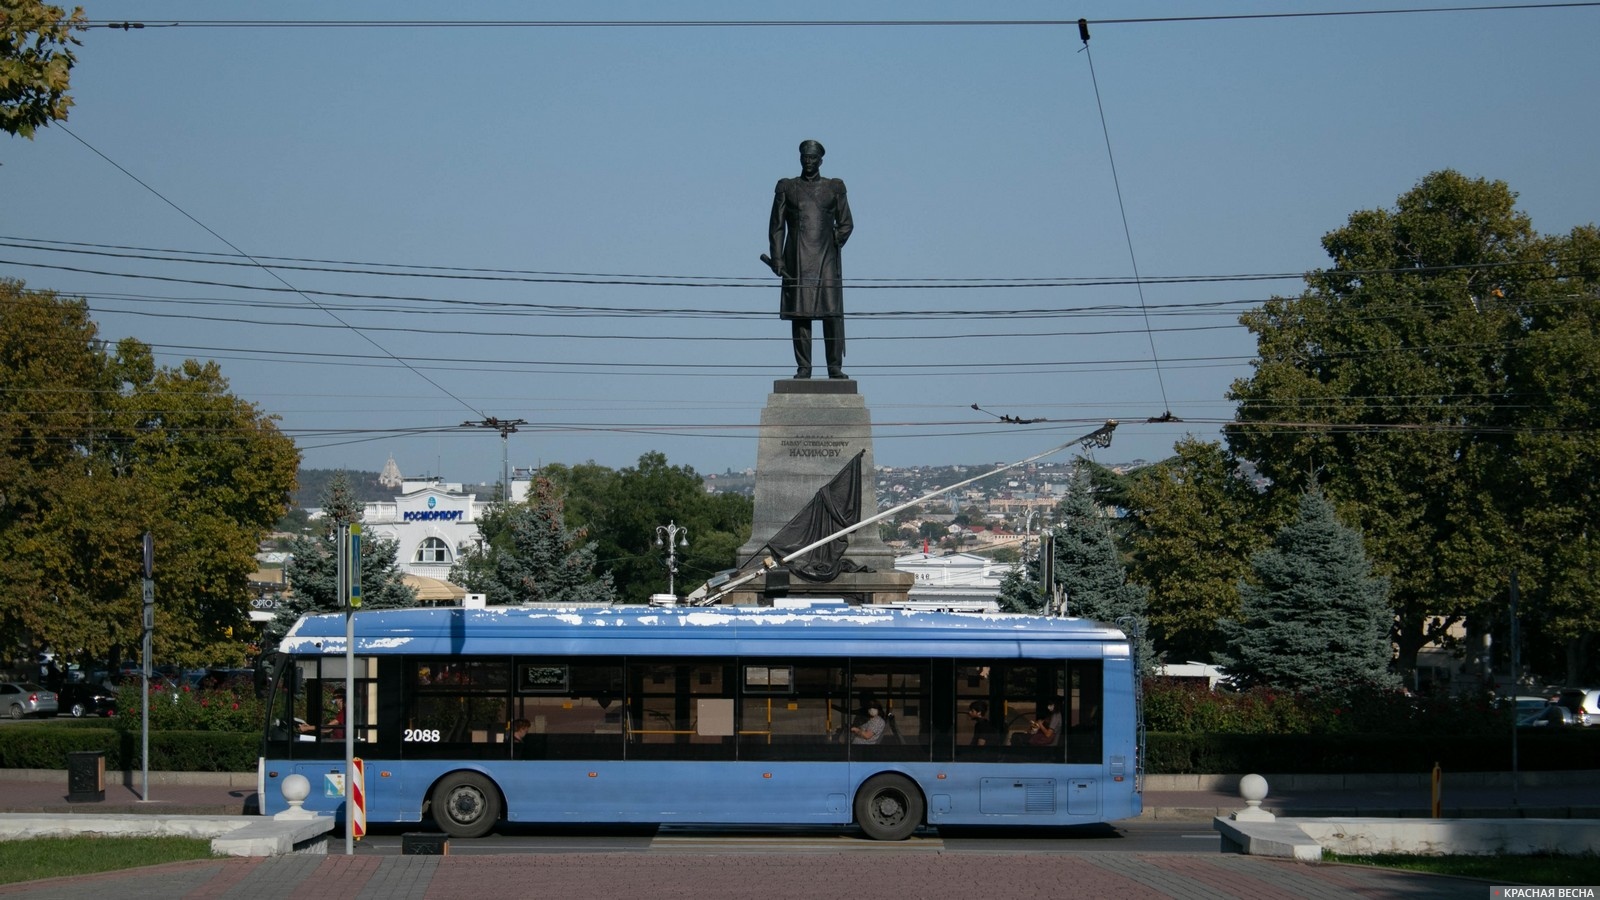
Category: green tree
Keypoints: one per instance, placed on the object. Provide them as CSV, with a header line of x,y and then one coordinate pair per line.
x,y
1088,567
1549,481
312,570
1314,617
528,554
621,509
1379,382
100,446
36,63
1020,591
1191,524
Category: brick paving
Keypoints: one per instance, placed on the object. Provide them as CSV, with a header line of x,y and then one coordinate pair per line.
x,y
761,868
772,876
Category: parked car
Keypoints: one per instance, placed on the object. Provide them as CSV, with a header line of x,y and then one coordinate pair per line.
x,y
79,700
1527,706
1550,716
1582,703
24,698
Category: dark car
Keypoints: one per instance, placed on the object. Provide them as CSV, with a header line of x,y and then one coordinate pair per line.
x,y
84,699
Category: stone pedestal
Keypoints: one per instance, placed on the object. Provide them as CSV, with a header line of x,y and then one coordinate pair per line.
x,y
810,429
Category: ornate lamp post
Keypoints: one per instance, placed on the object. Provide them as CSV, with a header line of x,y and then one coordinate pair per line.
x,y
673,537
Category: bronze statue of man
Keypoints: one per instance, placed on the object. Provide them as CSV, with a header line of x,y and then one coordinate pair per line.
x,y
810,223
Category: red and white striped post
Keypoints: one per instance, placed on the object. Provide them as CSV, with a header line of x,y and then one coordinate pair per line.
x,y
358,798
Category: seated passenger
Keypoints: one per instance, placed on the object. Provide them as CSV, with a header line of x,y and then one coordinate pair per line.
x,y
870,731
984,732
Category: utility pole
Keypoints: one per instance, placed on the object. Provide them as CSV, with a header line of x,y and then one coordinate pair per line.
x,y
506,427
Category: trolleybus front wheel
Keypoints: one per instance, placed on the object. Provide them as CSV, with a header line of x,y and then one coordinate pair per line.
x,y
889,807
465,805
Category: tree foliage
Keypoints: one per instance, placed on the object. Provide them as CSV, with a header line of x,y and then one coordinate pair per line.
x,y
528,554
1436,381
313,567
1313,616
36,63
1087,569
1189,527
99,446
621,509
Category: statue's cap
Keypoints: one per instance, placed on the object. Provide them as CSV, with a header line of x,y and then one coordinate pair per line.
x,y
813,147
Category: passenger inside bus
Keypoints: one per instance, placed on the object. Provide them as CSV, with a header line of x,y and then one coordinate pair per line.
x,y
870,731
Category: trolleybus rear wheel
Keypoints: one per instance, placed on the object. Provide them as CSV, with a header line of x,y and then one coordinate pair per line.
x,y
889,807
465,805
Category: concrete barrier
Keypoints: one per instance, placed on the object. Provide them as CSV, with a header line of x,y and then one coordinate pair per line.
x,y
1306,839
230,835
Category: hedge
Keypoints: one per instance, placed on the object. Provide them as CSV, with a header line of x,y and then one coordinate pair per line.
x,y
47,746
1542,749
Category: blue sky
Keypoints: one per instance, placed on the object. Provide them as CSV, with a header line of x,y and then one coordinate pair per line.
x,y
645,157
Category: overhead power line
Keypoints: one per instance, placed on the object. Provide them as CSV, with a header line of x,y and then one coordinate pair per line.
x,y
126,25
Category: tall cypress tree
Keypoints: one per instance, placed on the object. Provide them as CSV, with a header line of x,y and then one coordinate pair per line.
x,y
529,554
1314,617
1089,568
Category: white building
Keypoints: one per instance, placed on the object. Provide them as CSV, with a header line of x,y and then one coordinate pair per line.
x,y
956,576
432,521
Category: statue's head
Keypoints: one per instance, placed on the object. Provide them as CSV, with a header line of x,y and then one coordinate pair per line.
x,y
811,153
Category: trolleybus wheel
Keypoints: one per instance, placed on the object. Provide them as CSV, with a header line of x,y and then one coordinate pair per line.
x,y
889,807
465,805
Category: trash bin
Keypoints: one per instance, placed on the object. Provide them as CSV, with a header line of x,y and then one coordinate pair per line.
x,y
86,776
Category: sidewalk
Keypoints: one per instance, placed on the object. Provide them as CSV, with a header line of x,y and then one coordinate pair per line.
x,y
1570,795
780,876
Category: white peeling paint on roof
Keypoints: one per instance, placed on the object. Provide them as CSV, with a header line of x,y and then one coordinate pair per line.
x,y
387,643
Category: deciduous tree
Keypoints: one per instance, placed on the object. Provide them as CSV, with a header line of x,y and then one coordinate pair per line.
x,y
1190,524
100,446
1381,379
36,63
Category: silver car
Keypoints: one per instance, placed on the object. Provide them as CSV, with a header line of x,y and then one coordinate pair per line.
x,y
24,698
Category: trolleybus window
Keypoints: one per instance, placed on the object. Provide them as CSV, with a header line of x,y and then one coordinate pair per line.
x,y
580,719
458,707
800,721
1066,697
309,706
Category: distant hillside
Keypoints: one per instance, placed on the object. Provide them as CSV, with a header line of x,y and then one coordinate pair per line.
x,y
314,484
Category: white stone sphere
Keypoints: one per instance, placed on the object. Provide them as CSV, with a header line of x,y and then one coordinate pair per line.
x,y
296,788
1253,788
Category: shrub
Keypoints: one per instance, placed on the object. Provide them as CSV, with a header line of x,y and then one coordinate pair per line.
x,y
231,706
1191,708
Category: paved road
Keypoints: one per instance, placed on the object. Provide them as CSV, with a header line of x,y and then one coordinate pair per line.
x,y
902,875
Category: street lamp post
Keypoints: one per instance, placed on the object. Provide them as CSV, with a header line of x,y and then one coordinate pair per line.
x,y
672,536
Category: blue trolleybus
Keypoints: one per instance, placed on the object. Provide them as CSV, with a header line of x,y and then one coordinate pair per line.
x,y
724,715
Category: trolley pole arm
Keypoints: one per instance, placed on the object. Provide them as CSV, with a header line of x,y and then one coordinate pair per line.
x,y
1100,437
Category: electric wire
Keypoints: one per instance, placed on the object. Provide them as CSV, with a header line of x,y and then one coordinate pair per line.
x,y
125,25
1122,209
185,213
